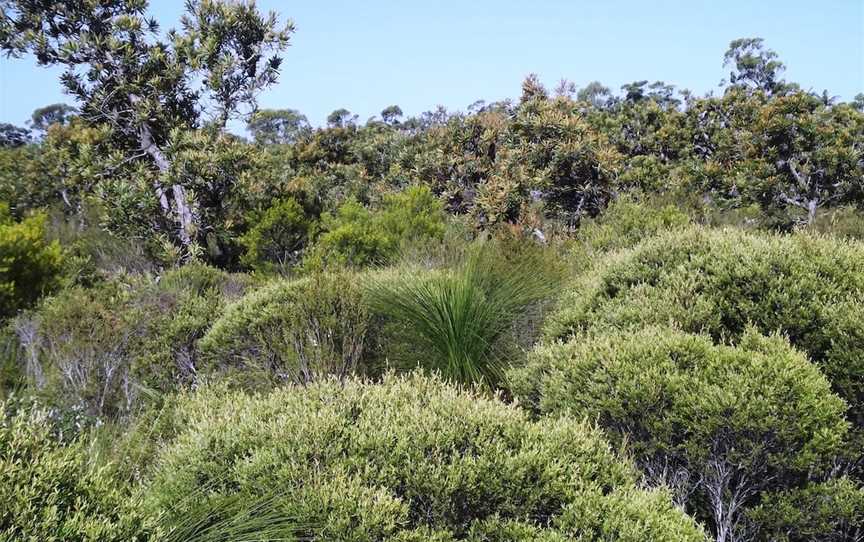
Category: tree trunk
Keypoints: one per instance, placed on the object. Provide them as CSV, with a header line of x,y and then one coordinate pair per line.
x,y
182,207
811,211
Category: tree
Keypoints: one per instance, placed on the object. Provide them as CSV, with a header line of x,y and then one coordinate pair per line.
x,y
533,89
44,117
754,66
810,154
13,136
277,126
594,93
125,75
391,115
341,118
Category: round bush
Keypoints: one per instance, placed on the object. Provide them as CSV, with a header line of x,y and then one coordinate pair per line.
x,y
410,458
810,288
295,330
693,412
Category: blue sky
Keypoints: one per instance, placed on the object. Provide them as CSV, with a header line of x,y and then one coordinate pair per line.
x,y
367,55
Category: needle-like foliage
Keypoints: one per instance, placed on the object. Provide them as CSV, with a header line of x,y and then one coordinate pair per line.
x,y
462,318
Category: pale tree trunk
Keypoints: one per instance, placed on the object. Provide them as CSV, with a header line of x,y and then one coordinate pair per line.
x,y
183,212
182,206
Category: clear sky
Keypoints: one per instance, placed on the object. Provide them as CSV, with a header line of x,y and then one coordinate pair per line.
x,y
367,55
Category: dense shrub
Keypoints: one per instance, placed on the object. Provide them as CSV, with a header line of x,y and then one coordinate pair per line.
x,y
720,281
356,236
832,511
101,349
295,330
725,423
49,491
410,459
29,264
624,224
278,238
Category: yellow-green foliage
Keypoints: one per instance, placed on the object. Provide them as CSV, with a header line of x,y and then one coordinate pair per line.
x,y
50,492
355,236
625,223
410,459
685,405
672,393
29,264
810,288
297,330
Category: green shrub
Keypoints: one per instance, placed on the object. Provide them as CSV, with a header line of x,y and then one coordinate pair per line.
x,y
461,319
357,236
277,239
725,422
49,491
624,224
102,349
824,512
718,282
410,459
29,265
296,330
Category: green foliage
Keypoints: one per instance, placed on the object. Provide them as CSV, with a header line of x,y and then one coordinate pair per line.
x,y
44,117
720,281
625,223
277,239
29,264
50,491
410,459
725,423
356,236
463,319
105,350
825,512
755,67
298,330
277,126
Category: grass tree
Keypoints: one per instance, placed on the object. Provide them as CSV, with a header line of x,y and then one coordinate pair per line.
x,y
462,318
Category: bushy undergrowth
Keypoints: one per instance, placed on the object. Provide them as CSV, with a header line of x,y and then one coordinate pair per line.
x,y
355,236
51,492
100,350
293,330
722,423
718,282
410,459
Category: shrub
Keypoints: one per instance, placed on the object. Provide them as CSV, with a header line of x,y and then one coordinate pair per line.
x,y
296,330
100,350
463,317
278,238
29,264
356,236
826,512
49,491
410,459
720,281
624,224
727,422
